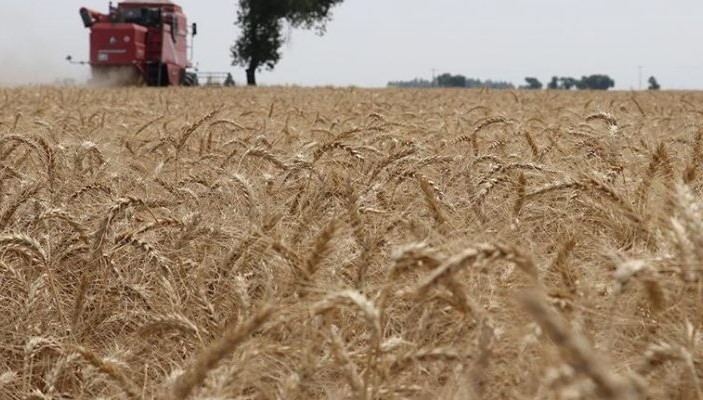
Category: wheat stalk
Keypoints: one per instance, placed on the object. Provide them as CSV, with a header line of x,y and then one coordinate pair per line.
x,y
209,357
578,352
111,370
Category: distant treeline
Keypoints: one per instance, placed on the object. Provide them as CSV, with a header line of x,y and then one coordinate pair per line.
x,y
587,82
449,80
591,82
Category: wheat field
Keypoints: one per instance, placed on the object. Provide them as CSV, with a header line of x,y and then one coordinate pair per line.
x,y
290,243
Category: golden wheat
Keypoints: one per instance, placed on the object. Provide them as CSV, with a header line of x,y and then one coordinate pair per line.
x,y
297,243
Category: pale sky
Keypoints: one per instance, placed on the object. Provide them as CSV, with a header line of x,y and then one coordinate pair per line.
x,y
370,42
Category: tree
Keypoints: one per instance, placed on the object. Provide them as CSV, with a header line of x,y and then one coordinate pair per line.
x,y
449,80
532,84
415,83
554,83
653,84
567,83
595,82
262,22
496,84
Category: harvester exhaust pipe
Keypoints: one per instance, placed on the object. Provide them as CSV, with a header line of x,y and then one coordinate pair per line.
x,y
86,17
91,17
193,32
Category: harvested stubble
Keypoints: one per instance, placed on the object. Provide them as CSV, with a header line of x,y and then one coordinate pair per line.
x,y
149,235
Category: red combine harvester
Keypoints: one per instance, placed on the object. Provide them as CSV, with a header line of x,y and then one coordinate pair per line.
x,y
140,42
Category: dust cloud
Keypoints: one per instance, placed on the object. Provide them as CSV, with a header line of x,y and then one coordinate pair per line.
x,y
32,53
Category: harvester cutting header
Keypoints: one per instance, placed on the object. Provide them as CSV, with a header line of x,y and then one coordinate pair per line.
x,y
140,41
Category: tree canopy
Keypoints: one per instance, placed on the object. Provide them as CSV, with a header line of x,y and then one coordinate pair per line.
x,y
590,82
262,22
595,82
563,83
532,83
587,82
451,80
567,83
554,83
653,84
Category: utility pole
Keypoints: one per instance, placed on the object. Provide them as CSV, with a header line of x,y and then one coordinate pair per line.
x,y
433,76
639,73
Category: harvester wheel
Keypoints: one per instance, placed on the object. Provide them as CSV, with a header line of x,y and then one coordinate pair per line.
x,y
190,79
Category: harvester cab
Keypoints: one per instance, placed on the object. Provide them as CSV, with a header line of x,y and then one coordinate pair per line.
x,y
140,42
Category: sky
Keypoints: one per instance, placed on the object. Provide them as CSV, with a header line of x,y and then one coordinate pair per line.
x,y
371,42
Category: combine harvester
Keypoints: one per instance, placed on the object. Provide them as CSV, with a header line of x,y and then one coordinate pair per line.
x,y
140,42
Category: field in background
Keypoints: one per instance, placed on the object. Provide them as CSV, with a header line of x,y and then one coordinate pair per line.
x,y
321,243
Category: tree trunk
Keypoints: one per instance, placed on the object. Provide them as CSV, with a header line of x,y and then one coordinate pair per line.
x,y
251,76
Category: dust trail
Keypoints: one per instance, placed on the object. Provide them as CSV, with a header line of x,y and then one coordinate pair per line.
x,y
33,51
30,64
116,76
